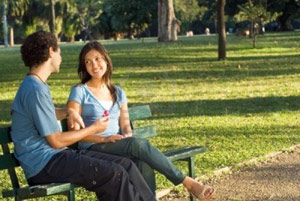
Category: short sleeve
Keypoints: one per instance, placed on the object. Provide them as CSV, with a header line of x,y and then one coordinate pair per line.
x,y
43,113
76,95
122,98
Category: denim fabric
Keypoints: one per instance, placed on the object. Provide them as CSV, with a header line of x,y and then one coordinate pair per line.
x,y
112,178
141,150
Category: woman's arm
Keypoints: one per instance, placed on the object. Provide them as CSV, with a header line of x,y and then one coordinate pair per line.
x,y
125,121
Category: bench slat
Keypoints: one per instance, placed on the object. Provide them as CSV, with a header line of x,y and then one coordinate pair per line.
x,y
63,124
52,189
5,135
139,112
183,153
144,132
8,161
40,190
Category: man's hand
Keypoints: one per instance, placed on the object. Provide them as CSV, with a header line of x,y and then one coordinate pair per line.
x,y
101,124
74,118
113,138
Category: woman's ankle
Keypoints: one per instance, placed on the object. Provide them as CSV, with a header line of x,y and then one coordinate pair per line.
x,y
188,183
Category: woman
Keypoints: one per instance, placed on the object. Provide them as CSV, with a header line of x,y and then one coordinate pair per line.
x,y
94,96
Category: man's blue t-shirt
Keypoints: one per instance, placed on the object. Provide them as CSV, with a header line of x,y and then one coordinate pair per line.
x,y
92,109
33,118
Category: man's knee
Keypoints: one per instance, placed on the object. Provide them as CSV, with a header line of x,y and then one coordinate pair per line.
x,y
97,175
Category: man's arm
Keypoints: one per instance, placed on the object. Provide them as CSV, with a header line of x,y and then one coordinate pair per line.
x,y
73,116
61,139
61,113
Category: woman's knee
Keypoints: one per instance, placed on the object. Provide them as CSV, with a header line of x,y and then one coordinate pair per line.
x,y
140,144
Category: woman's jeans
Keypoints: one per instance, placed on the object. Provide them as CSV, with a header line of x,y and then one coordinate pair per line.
x,y
146,158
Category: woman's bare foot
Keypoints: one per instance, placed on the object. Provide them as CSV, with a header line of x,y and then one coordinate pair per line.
x,y
198,190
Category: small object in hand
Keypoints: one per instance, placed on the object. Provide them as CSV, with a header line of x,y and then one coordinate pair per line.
x,y
106,113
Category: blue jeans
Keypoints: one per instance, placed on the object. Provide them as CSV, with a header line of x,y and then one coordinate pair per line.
x,y
146,158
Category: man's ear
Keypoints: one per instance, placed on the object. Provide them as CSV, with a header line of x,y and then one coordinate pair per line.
x,y
51,52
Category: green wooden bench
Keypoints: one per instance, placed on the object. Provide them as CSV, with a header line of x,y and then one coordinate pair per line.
x,y
9,162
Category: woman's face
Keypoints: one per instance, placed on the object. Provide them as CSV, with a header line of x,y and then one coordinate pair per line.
x,y
95,64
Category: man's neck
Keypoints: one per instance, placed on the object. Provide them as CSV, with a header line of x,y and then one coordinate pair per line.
x,y
41,72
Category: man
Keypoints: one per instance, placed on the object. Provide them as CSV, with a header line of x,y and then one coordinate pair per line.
x,y
40,146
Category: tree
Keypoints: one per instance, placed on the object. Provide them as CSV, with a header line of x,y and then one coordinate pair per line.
x,y
52,16
290,9
257,15
15,13
187,12
132,17
88,12
167,22
221,30
4,23
71,20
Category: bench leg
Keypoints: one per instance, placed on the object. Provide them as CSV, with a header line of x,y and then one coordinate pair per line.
x,y
191,173
71,195
18,199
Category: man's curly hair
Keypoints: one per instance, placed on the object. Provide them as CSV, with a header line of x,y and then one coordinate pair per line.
x,y
35,48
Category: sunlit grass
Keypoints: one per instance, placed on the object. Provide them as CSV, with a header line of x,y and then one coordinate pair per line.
x,y
239,109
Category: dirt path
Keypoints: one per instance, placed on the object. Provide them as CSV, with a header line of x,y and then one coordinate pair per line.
x,y
277,179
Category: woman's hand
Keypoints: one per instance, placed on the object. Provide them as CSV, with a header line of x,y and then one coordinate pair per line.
x,y
113,138
127,135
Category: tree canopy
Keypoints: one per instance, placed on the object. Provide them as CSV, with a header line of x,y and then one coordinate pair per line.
x,y
114,18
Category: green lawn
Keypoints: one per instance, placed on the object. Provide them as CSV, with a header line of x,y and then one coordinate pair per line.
x,y
240,109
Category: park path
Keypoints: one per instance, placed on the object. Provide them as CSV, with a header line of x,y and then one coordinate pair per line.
x,y
277,179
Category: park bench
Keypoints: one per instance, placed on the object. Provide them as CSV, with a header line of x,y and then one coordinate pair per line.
x,y
9,162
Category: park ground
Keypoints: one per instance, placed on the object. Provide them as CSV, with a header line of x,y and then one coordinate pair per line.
x,y
240,109
277,178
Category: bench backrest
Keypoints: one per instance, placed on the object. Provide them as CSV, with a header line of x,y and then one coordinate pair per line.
x,y
138,113
135,113
9,162
7,159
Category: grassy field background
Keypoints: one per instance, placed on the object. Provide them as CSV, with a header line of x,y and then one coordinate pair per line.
x,y
239,109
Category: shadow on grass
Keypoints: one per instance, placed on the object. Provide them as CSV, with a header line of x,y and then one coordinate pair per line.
x,y
225,75
247,106
167,60
5,107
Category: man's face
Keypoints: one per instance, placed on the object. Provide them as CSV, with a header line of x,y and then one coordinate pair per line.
x,y
56,60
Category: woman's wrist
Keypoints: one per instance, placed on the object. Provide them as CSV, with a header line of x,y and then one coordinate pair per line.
x,y
127,134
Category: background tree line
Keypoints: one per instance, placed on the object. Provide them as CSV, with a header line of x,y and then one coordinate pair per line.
x,y
94,19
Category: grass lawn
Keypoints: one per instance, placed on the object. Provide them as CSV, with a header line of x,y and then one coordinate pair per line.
x,y
240,109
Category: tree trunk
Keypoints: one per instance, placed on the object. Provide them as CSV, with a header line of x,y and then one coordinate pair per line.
x,y
52,17
221,30
285,22
175,28
4,24
251,29
166,16
11,38
254,41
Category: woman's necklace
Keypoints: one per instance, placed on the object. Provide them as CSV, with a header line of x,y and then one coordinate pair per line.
x,y
37,77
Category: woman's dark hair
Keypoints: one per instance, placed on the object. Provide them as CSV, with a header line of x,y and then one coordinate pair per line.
x,y
85,76
35,48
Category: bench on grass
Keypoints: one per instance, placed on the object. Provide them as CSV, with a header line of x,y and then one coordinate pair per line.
x,y
9,162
